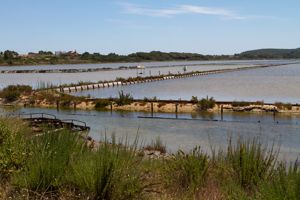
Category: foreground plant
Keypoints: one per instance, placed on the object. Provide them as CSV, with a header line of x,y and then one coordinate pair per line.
x,y
52,153
111,172
187,172
251,162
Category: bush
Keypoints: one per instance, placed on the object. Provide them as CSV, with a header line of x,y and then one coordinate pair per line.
x,y
13,92
285,184
194,99
205,104
282,106
251,162
51,156
187,172
124,99
109,173
13,146
102,103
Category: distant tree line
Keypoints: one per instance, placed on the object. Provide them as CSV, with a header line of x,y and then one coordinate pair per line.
x,y
47,57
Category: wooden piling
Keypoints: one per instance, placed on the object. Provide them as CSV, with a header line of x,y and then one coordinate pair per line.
x,y
222,110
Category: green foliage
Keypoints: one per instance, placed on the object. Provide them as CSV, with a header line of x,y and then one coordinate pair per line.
x,y
109,173
52,153
13,146
187,172
251,162
157,145
13,92
124,99
102,103
285,184
194,99
205,104
282,106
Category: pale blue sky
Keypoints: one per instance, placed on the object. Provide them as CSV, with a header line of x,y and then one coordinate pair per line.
x,y
125,26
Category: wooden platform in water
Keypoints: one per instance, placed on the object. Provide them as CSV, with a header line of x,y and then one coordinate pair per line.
x,y
51,120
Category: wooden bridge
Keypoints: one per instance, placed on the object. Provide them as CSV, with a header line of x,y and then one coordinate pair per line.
x,y
36,119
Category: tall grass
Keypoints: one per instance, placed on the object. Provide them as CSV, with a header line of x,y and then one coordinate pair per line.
x,y
285,184
187,172
13,146
251,161
111,172
156,145
51,155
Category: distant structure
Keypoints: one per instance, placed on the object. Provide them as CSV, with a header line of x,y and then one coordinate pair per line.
x,y
64,53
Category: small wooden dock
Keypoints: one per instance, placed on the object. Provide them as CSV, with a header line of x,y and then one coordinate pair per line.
x,y
36,119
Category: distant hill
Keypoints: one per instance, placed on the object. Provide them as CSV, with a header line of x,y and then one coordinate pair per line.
x,y
270,53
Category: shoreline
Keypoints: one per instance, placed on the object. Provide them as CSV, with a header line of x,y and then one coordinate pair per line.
x,y
159,106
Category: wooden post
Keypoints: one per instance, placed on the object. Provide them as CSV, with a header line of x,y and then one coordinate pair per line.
x,y
222,112
111,107
152,109
74,105
176,110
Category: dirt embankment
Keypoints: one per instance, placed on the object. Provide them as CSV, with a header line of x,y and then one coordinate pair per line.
x,y
147,106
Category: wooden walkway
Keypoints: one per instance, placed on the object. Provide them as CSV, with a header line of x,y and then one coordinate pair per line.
x,y
36,119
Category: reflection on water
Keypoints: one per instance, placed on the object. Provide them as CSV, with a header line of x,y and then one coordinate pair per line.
x,y
268,84
185,134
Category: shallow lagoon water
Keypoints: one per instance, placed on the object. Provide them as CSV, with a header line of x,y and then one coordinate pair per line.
x,y
284,130
270,85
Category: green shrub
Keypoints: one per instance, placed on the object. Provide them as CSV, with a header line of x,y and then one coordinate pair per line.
x,y
251,162
194,99
102,103
187,172
124,99
285,184
283,106
13,92
13,146
205,104
111,172
52,153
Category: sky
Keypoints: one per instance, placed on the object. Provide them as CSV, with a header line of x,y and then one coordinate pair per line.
x,y
127,26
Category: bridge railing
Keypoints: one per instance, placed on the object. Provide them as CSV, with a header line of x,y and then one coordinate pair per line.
x,y
75,122
37,115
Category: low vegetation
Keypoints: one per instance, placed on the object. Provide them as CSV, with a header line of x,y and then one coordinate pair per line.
x,y
124,99
101,104
13,92
60,165
283,106
206,103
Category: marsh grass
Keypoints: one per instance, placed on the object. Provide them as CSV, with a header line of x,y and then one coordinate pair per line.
x,y
156,145
51,154
60,165
109,173
251,161
13,146
185,173
285,184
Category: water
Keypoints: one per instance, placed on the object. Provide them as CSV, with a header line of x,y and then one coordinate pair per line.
x,y
152,68
146,64
284,131
270,85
